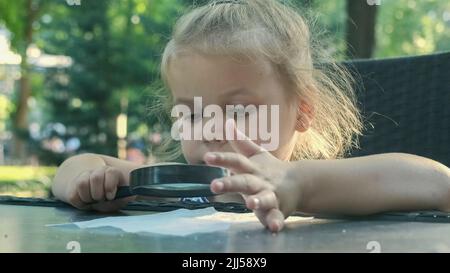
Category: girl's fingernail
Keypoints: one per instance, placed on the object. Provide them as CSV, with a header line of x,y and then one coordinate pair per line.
x,y
275,226
218,185
110,195
278,225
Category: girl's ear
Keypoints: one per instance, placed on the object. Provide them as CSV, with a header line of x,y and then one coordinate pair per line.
x,y
305,115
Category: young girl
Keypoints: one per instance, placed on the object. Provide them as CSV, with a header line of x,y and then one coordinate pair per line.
x,y
259,52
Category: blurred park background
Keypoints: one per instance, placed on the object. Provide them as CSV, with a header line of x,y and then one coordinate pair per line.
x,y
80,75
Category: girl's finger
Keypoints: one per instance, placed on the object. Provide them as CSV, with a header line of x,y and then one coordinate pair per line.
x,y
75,200
263,200
80,204
84,188
261,215
241,183
97,179
237,163
239,141
274,220
112,179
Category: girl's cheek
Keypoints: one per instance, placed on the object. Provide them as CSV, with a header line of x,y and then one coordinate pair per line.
x,y
185,149
189,149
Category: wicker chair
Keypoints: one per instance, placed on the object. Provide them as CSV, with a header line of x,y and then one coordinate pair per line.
x,y
406,105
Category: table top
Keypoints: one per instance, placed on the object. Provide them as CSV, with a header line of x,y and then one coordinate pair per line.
x,y
23,229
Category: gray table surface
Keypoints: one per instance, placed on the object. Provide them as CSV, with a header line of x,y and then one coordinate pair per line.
x,y
23,229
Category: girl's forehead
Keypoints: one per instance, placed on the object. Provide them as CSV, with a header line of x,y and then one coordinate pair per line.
x,y
217,78
210,63
223,78
214,73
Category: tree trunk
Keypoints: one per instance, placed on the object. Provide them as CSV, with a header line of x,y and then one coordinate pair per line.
x,y
360,33
21,114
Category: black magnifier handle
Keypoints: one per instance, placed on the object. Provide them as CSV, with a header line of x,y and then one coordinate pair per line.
x,y
123,191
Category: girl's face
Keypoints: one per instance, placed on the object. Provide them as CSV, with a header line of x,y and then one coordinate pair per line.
x,y
221,80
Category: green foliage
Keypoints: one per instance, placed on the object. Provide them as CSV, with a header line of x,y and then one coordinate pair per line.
x,y
6,107
26,180
115,48
412,27
12,14
404,27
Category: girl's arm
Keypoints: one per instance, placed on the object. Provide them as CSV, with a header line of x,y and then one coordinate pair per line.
x,y
90,178
372,184
274,189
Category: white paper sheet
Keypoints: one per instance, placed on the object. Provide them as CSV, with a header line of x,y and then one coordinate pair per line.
x,y
180,222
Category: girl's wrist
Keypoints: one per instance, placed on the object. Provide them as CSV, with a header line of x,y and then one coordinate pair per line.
x,y
299,181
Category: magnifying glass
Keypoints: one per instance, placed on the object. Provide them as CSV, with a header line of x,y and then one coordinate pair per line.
x,y
172,180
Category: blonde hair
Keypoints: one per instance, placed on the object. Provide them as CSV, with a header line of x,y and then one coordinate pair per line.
x,y
277,33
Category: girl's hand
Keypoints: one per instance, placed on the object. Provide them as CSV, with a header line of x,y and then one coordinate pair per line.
x,y
259,177
96,189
